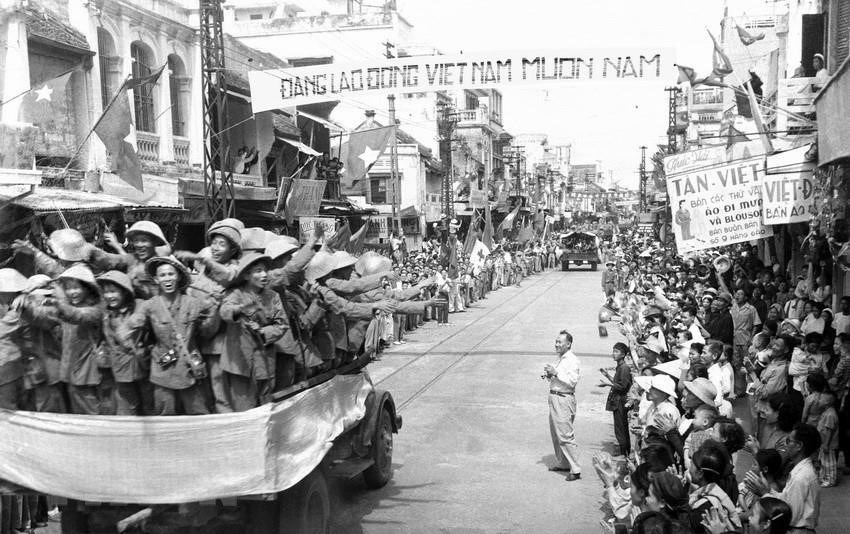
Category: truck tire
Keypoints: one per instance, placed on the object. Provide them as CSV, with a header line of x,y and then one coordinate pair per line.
x,y
565,266
593,266
306,508
381,471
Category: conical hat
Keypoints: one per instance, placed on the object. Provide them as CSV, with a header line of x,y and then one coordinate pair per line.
x,y
253,238
343,259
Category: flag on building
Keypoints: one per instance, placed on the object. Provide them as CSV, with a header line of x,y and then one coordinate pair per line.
x,y
748,38
362,150
358,240
116,130
46,104
686,74
721,65
712,80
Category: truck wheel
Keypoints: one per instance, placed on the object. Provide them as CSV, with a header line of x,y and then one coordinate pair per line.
x,y
593,266
565,266
306,509
381,471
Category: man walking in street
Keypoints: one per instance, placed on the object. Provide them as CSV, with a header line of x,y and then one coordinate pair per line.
x,y
563,378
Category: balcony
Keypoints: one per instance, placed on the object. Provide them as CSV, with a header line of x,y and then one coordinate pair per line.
x,y
181,150
471,118
147,147
796,95
313,24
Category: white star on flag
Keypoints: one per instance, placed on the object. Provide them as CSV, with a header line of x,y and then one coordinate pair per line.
x,y
44,93
369,156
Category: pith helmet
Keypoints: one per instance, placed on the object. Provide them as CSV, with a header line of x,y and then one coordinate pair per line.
x,y
69,245
280,245
372,263
249,259
83,274
322,264
149,228
253,238
230,229
119,279
39,284
12,281
343,259
152,264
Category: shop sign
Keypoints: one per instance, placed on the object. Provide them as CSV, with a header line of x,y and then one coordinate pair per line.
x,y
306,197
307,225
379,229
788,189
695,159
718,206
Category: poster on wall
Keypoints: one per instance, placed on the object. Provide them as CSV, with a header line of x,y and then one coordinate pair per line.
x,y
307,225
306,197
717,206
379,229
788,189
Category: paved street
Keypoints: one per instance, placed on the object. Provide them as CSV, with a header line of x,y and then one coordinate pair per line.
x,y
474,450
473,453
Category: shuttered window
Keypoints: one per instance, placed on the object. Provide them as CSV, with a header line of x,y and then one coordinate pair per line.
x,y
842,37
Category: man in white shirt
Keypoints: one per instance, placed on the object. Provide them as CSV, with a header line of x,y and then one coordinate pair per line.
x,y
563,378
841,321
801,491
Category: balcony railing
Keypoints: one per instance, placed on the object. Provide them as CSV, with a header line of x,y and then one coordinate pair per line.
x,y
473,117
148,146
796,95
181,150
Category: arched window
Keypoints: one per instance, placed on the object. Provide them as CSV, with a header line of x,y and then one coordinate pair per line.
x,y
143,96
108,65
178,89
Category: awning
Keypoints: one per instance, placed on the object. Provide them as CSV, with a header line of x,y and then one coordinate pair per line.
x,y
325,122
47,199
300,146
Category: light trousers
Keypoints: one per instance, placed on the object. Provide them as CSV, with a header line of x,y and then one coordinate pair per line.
x,y
562,414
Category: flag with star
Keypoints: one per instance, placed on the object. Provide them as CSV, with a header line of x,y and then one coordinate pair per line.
x,y
364,147
116,129
46,104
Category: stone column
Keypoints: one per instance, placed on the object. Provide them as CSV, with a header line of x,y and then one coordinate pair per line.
x,y
14,64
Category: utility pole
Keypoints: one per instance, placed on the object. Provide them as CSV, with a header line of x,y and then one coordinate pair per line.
x,y
218,189
672,136
446,122
643,206
394,177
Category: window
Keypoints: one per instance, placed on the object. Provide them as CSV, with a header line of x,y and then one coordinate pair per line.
x,y
106,58
378,190
143,99
256,16
178,111
704,97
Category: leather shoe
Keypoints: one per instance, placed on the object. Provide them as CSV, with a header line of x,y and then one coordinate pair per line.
x,y
572,476
556,468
